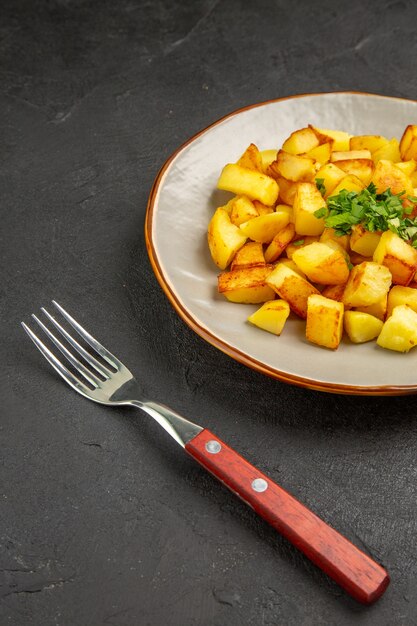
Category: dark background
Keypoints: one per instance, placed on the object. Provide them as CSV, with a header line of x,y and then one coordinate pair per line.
x,y
103,519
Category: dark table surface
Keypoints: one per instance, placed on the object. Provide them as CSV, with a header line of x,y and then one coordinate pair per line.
x,y
103,519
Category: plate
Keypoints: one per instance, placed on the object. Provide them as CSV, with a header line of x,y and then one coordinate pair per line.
x,y
181,203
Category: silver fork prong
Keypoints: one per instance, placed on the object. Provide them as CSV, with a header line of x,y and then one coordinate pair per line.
x,y
56,363
89,376
98,347
82,351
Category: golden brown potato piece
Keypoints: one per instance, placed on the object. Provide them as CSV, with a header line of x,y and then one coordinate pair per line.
x,y
262,208
361,327
322,264
361,168
400,330
250,255
363,241
368,283
279,243
292,167
287,190
408,167
321,154
389,152
251,158
408,143
398,256
224,238
331,176
307,200
378,309
271,316
267,156
298,242
247,285
265,227
348,183
247,182
292,287
329,234
341,140
388,176
324,325
368,142
301,141
401,295
349,155
242,210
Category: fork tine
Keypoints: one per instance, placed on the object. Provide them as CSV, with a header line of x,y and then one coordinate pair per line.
x,y
86,355
72,380
98,347
92,379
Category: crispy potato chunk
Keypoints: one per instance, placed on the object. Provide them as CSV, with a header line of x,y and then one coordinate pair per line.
x,y
307,200
279,243
408,143
322,264
271,316
224,238
299,242
265,227
267,157
321,154
329,234
368,283
408,167
247,285
242,210
250,255
363,241
301,141
247,182
378,309
398,256
324,325
361,168
347,155
291,287
341,140
368,142
331,175
388,176
361,327
290,263
399,332
389,152
287,190
401,295
293,167
334,292
349,183
251,158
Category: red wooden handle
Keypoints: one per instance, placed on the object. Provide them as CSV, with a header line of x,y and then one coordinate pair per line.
x,y
351,568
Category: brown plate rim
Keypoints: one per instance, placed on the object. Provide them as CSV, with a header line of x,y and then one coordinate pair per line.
x,y
184,313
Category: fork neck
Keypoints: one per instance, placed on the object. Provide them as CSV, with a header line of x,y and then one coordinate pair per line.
x,y
180,429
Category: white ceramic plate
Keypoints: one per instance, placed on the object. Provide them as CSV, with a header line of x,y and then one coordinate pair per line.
x,y
181,203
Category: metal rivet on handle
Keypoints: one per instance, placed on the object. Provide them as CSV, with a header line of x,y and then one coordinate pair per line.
x,y
213,446
259,484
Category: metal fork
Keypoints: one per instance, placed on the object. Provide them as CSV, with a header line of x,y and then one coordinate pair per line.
x,y
113,384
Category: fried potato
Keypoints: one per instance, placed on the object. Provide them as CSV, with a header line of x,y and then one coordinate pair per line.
x,y
321,154
377,309
368,283
267,156
301,141
401,295
363,241
399,332
388,176
279,243
346,155
398,256
251,158
368,142
265,227
293,167
361,168
361,327
247,285
292,287
248,182
224,238
329,234
242,210
408,143
250,255
322,264
349,183
307,200
389,152
341,140
331,176
271,316
324,325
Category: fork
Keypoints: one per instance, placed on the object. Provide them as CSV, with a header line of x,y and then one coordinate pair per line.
x,y
108,381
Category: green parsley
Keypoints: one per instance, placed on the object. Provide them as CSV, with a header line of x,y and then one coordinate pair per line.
x,y
374,211
320,185
299,242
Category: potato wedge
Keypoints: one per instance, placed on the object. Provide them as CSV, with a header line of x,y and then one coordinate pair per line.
x,y
247,285
247,182
293,167
265,227
399,332
250,255
398,256
307,200
324,325
242,210
224,238
271,316
251,158
292,287
368,283
361,327
279,243
322,264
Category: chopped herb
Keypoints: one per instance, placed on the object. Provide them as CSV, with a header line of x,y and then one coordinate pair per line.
x,y
320,185
374,211
299,242
323,212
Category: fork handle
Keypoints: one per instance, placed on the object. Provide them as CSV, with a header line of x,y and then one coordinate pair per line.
x,y
351,568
